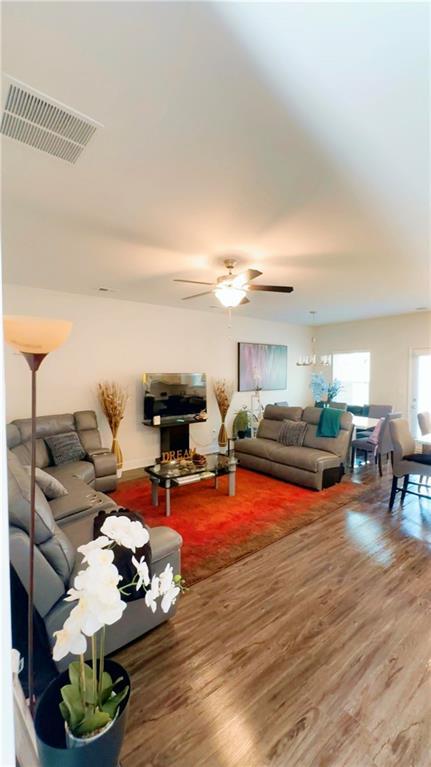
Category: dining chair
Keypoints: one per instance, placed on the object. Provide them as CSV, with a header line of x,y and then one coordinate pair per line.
x,y
338,405
406,462
424,421
379,443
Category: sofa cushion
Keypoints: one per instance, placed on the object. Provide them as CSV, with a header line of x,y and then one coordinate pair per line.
x,y
269,429
50,486
23,451
50,540
254,446
46,425
83,470
336,445
65,448
79,498
306,458
280,413
292,432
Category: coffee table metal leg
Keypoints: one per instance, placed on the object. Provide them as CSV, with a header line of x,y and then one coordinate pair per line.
x,y
232,482
168,498
154,492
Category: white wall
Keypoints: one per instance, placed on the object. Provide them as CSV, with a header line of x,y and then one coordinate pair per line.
x,y
120,340
390,341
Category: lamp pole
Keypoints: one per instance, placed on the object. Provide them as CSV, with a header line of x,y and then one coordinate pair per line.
x,y
34,361
34,338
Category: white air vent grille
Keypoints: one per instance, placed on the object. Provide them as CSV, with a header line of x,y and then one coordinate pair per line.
x,y
40,122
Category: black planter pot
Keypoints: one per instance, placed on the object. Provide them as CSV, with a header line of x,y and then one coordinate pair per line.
x,y
50,733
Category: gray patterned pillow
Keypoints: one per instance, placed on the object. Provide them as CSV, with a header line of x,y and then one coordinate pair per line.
x,y
292,433
65,448
50,486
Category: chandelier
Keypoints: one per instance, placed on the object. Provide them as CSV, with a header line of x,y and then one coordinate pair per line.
x,y
309,360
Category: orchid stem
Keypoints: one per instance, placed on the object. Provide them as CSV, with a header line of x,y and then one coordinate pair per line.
x,y
82,673
101,662
94,655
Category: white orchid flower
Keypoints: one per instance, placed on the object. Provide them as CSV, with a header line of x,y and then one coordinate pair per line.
x,y
131,535
169,597
100,557
100,543
143,572
69,640
85,617
166,579
97,577
152,594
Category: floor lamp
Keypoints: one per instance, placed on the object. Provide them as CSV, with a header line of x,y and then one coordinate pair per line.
x,y
35,338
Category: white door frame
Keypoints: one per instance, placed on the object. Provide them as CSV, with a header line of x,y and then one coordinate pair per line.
x,y
414,353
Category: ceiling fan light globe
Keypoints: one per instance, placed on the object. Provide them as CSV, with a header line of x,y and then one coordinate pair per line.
x,y
229,296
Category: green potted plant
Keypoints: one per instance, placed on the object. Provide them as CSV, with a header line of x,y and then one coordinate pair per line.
x,y
81,716
241,426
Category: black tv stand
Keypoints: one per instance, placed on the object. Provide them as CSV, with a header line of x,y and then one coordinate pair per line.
x,y
174,437
175,433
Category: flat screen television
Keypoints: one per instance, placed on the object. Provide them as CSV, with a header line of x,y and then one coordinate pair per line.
x,y
175,397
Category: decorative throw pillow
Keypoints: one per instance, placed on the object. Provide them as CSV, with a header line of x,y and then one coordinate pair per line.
x,y
65,448
50,486
292,433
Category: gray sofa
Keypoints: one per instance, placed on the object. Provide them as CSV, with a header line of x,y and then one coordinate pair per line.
x,y
61,526
317,463
82,479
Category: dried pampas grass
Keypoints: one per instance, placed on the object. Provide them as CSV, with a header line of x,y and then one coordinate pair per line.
x,y
223,391
113,399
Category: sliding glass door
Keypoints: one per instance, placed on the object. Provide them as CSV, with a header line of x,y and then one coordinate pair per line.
x,y
420,400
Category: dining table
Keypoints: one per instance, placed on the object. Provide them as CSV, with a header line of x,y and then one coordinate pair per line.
x,y
424,439
362,422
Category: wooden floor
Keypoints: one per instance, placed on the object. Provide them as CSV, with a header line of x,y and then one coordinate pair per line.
x,y
314,652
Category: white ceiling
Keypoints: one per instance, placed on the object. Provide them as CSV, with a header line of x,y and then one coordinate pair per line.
x,y
294,135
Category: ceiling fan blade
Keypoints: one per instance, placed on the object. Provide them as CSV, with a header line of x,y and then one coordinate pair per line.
x,y
271,288
244,277
245,300
195,282
196,295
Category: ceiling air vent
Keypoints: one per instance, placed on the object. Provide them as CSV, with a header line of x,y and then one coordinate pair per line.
x,y
37,120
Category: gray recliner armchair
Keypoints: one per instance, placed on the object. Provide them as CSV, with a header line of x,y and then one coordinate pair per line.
x,y
56,560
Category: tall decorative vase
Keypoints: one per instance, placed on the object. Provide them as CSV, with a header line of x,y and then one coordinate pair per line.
x,y
116,449
113,399
222,435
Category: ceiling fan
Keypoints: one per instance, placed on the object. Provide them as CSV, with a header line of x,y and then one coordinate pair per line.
x,y
231,289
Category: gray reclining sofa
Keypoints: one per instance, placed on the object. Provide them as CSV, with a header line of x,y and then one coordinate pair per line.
x,y
83,479
64,524
317,463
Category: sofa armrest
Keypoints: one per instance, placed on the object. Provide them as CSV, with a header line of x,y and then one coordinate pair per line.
x,y
104,462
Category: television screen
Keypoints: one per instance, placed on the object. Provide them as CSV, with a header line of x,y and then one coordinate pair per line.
x,y
175,396
262,366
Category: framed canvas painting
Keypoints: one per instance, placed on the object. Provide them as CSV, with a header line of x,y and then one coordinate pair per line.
x,y
262,366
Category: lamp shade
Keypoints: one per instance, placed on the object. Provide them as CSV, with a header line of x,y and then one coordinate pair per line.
x,y
35,335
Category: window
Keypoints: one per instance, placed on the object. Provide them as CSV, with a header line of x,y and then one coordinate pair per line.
x,y
353,370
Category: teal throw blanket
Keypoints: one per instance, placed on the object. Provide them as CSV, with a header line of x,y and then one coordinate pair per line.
x,y
329,422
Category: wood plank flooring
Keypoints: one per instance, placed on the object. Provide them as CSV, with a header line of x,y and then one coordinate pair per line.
x,y
314,652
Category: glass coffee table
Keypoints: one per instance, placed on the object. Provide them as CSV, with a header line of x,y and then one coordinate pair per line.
x,y
171,474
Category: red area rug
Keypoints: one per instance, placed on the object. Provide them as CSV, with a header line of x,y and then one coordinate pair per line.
x,y
218,530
